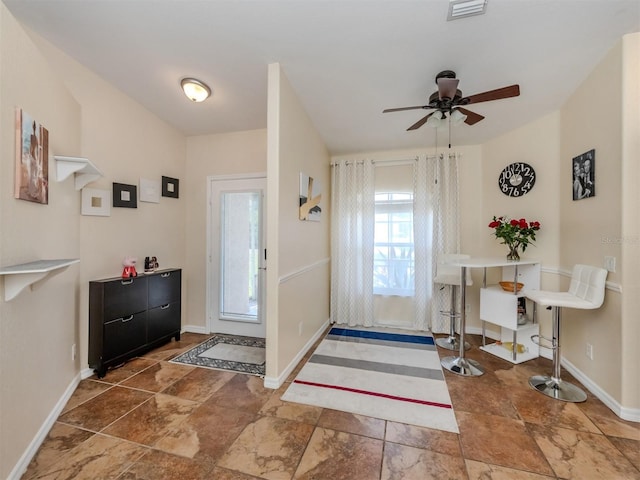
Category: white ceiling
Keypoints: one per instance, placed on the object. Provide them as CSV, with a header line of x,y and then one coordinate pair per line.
x,y
347,59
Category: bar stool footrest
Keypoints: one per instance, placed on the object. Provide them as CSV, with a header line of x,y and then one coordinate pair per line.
x,y
557,389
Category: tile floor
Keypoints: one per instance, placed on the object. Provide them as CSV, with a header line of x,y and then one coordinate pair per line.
x,y
153,420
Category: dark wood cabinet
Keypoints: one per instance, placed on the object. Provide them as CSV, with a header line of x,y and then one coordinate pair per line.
x,y
130,316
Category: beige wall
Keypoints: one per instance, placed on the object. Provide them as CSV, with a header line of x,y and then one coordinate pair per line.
x,y
298,262
586,225
85,117
126,142
537,144
37,328
630,225
211,155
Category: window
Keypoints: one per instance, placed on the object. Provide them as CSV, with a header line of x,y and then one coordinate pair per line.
x,y
393,257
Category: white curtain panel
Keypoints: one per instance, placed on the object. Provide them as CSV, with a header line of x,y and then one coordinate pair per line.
x,y
352,230
436,231
445,232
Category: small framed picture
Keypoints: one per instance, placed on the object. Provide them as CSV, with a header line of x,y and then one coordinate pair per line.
x,y
125,195
170,187
96,202
584,180
149,190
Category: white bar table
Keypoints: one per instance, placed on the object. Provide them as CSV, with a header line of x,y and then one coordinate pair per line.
x,y
461,365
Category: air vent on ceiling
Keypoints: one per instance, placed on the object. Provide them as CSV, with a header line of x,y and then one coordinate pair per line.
x,y
466,8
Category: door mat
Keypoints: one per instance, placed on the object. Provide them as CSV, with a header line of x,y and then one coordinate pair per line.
x,y
227,352
378,373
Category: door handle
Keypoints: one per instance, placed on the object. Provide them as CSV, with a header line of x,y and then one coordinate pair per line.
x,y
128,319
262,268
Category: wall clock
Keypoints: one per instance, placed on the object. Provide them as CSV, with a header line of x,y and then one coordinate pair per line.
x,y
517,179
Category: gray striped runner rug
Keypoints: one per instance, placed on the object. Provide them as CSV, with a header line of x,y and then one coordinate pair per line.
x,y
381,373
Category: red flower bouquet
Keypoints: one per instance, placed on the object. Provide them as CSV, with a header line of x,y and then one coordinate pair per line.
x,y
514,234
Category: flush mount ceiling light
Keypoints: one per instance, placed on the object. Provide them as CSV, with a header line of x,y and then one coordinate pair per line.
x,y
195,90
466,8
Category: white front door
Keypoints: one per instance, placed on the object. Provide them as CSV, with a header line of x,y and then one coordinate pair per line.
x,y
236,256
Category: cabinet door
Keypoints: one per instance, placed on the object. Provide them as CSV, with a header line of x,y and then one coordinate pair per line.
x,y
163,321
164,288
123,335
124,297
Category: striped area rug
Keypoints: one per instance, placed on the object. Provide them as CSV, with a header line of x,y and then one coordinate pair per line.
x,y
380,373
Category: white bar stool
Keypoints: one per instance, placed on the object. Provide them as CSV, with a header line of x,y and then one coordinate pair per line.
x,y
447,274
586,291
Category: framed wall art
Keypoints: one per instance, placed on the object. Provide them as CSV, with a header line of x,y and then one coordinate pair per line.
x,y
310,197
584,181
149,190
32,159
125,195
170,187
96,202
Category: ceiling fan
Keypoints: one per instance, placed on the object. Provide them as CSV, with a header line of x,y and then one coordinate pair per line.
x,y
449,99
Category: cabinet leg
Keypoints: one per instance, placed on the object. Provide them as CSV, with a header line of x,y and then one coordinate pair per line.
x,y
177,337
100,372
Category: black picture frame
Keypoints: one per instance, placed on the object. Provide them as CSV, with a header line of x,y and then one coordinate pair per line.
x,y
584,175
170,187
125,195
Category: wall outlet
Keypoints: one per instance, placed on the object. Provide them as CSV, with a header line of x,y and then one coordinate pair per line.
x,y
610,264
589,351
300,329
467,308
73,352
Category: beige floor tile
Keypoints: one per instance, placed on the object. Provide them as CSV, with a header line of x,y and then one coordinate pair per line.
x,y
500,441
269,448
100,457
199,384
574,454
410,463
152,420
424,438
484,471
158,377
104,409
340,456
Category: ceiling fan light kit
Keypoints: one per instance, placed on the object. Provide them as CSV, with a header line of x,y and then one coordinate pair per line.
x,y
448,99
195,90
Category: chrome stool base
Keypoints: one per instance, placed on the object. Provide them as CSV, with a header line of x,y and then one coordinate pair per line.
x,y
557,389
462,366
451,343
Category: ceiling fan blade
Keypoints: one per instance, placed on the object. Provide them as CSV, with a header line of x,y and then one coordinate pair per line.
x,y
447,87
404,108
420,122
505,92
472,117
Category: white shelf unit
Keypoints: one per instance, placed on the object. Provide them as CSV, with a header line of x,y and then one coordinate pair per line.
x,y
85,172
501,308
18,277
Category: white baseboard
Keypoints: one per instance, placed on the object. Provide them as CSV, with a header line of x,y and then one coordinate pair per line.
x,y
32,449
276,382
625,413
194,329
630,414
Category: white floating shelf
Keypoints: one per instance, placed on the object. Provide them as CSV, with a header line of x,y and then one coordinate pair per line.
x,y
18,277
85,171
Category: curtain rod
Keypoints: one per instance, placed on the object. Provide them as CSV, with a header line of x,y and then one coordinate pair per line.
x,y
399,161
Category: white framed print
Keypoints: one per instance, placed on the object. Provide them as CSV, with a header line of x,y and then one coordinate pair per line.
x,y
149,190
96,202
